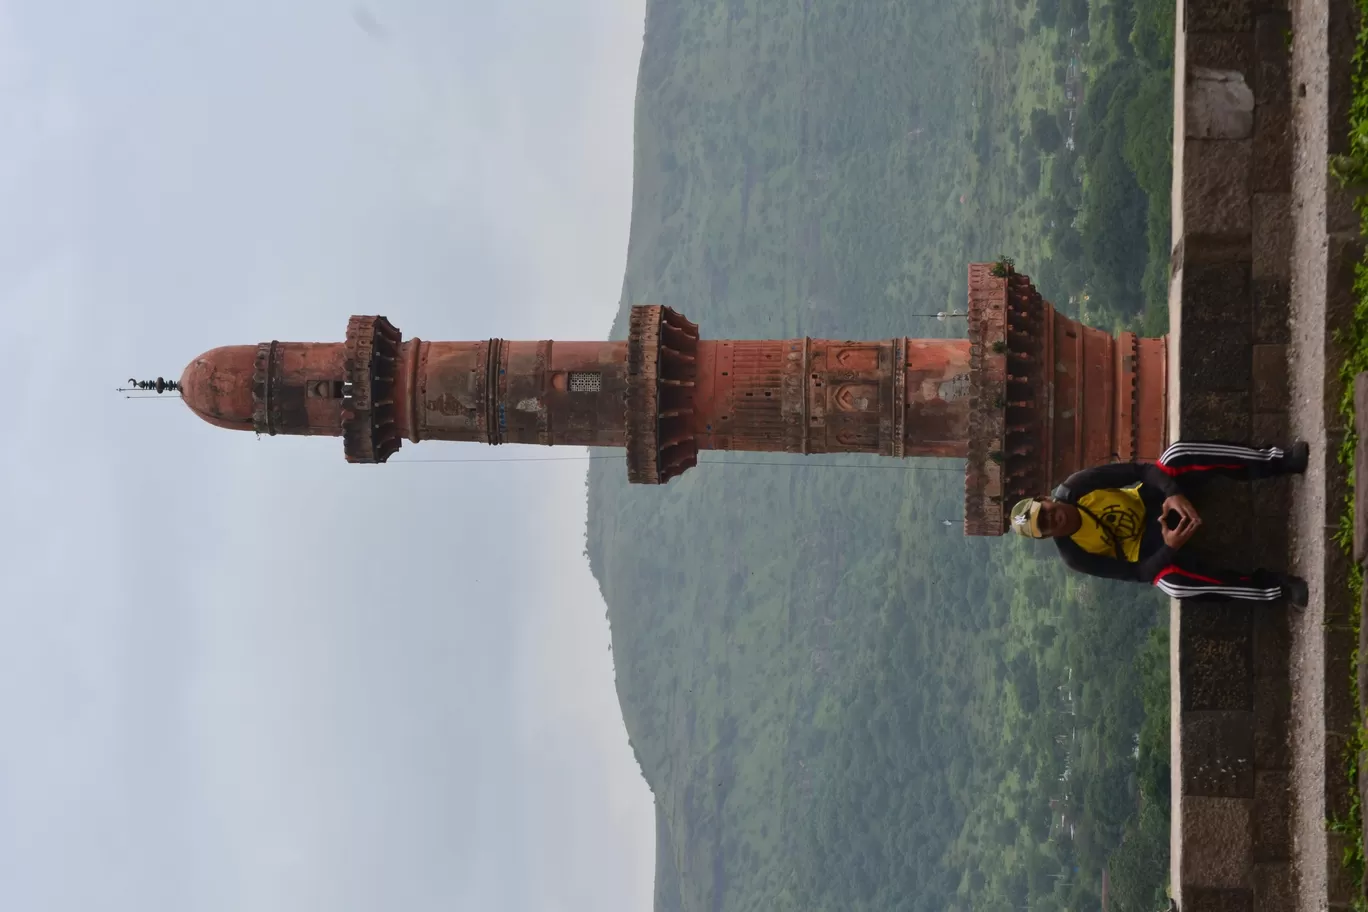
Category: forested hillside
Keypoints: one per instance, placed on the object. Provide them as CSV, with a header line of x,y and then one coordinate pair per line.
x,y
840,702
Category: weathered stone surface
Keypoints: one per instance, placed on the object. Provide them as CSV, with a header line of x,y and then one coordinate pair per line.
x,y
1209,249
1215,293
1361,468
1338,792
1222,51
1226,537
1218,842
1338,604
1272,428
1215,661
1340,216
1271,158
1215,192
1271,236
1272,645
1269,366
1340,709
1218,754
1219,104
1341,32
1268,541
1272,308
1273,887
1219,16
1343,254
1216,360
1214,416
1273,56
1208,900
1273,501
1339,887
1272,811
1272,715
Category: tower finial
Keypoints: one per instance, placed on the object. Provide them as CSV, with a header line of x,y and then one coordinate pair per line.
x,y
160,385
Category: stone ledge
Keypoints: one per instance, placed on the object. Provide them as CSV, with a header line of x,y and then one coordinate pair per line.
x,y
1230,305
1218,844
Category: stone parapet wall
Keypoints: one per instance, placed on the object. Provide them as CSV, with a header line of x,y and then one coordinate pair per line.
x,y
1231,307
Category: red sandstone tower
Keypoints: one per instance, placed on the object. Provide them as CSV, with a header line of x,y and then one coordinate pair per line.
x,y
1028,398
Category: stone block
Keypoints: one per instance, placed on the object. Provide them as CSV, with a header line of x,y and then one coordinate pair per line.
x,y
1271,157
1272,815
1216,658
1339,883
1360,468
1273,501
1215,293
1338,603
1210,250
1222,51
1272,716
1216,359
1219,16
1268,543
1337,478
1271,428
1215,191
1363,674
1363,670
1218,841
1197,899
1215,416
1341,710
1343,254
1271,235
1226,538
1340,216
1273,891
1218,754
1273,58
1272,309
1272,647
1339,791
1218,104
1270,388
1341,32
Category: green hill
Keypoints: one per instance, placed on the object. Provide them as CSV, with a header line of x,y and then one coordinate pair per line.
x,y
838,702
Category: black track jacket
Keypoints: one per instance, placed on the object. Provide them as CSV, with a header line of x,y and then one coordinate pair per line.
x,y
1154,554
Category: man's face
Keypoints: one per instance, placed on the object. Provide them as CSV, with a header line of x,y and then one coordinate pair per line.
x,y
1055,518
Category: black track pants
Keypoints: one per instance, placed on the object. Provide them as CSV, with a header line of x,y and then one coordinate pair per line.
x,y
1188,578
1189,461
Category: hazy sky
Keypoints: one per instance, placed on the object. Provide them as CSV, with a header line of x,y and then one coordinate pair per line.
x,y
240,674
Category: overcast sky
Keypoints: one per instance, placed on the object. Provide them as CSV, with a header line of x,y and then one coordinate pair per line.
x,y
240,674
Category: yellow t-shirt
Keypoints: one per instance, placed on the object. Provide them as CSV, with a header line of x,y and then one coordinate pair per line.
x,y
1124,513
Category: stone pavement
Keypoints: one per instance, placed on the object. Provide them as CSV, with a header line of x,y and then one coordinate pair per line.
x,y
1260,257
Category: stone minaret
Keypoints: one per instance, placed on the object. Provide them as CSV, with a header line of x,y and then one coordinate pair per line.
x,y
1027,398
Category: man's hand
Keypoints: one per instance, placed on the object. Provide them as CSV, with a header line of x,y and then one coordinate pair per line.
x,y
1188,521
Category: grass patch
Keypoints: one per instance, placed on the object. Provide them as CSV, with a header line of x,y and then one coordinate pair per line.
x,y
1352,170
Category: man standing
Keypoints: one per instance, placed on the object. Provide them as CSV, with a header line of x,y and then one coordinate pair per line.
x,y
1129,521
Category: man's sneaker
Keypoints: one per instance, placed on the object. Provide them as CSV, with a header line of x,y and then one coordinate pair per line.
x,y
1296,591
1297,457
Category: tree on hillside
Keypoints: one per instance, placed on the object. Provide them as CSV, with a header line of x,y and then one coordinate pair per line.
x,y
1074,12
1045,132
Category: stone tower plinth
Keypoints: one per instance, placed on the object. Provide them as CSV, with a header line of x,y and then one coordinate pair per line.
x,y
1050,396
1029,397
